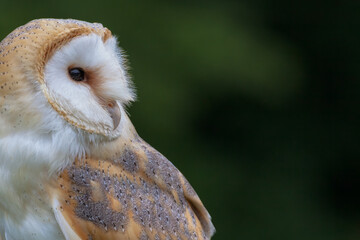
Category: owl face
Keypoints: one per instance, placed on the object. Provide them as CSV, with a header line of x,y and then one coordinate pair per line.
x,y
87,85
76,66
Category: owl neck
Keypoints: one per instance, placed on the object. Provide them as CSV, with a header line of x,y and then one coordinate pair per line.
x,y
29,160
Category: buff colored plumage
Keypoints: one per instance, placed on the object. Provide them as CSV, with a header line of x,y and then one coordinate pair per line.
x,y
71,164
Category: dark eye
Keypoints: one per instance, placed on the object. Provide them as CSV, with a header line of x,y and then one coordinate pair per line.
x,y
77,74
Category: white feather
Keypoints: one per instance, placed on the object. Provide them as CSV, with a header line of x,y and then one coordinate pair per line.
x,y
65,227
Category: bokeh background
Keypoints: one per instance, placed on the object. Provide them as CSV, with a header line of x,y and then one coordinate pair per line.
x,y
256,102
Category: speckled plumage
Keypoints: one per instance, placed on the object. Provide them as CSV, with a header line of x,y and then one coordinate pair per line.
x,y
70,166
139,194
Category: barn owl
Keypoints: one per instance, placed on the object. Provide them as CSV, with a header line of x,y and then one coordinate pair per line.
x,y
71,163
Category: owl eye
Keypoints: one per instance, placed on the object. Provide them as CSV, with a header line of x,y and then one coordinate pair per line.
x,y
77,74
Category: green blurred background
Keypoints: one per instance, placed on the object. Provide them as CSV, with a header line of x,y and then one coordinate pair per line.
x,y
256,102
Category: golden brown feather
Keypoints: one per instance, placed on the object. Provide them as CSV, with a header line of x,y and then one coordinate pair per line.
x,y
137,194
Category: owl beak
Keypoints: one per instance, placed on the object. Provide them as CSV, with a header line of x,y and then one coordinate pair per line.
x,y
114,111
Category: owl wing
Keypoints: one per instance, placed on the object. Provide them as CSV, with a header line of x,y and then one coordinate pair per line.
x,y
137,194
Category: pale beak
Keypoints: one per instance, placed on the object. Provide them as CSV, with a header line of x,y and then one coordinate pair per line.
x,y
114,111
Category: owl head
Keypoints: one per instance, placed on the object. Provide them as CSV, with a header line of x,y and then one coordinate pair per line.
x,y
65,82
